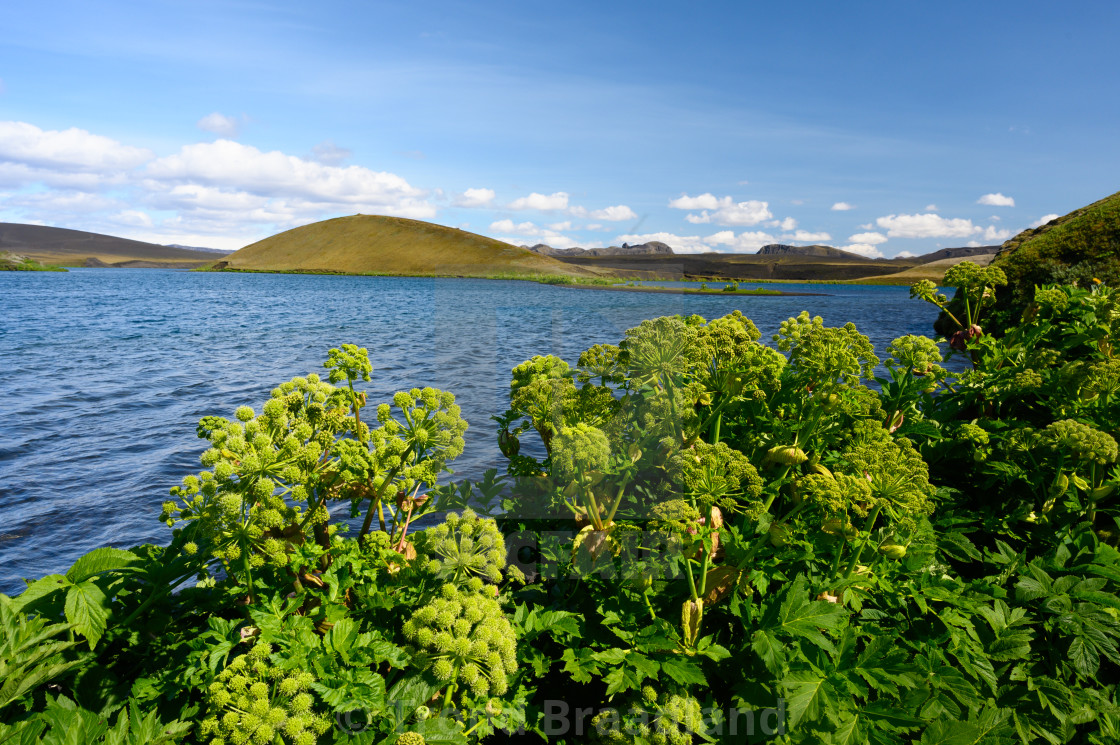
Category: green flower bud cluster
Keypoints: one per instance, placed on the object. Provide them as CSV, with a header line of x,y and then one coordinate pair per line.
x,y
599,361
350,363
1027,381
410,738
252,702
579,450
927,290
822,355
919,353
676,516
969,276
1103,378
1079,441
835,493
464,546
463,638
665,719
656,352
1051,298
718,475
895,471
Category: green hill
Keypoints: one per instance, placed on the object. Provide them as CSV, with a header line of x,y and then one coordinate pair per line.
x,y
1074,248
1079,246
375,244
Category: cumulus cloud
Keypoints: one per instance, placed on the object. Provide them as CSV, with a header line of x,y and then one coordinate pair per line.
x,y
234,167
475,198
72,157
328,153
842,207
517,233
541,202
996,200
905,255
1044,219
926,225
614,214
863,249
219,124
928,208
991,234
804,236
871,238
722,210
682,244
702,202
787,224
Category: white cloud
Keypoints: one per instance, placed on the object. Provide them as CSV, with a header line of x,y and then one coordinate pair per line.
x,y
928,208
595,226
330,154
723,210
1044,219
866,226
517,233
787,224
996,200
842,207
702,202
863,249
926,225
566,225
991,234
134,218
905,255
475,198
614,214
71,157
234,168
219,124
804,236
872,238
541,202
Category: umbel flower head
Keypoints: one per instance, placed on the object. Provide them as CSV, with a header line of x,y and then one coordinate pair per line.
x,y
464,546
254,702
463,638
659,719
897,475
1079,441
826,356
579,450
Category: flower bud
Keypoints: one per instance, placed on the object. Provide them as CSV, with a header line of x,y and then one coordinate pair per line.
x,y
692,612
892,550
1101,492
1058,488
779,536
786,456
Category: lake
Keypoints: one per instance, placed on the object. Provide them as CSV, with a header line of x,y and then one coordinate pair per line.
x,y
107,371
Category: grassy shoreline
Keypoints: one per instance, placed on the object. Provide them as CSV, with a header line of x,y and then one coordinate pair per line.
x,y
10,262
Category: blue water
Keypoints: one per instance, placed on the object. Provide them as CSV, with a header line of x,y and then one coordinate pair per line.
x,y
107,371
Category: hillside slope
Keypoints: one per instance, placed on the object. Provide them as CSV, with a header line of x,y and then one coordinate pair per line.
x,y
66,247
375,244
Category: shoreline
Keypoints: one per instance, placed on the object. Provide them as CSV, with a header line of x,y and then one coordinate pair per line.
x,y
689,291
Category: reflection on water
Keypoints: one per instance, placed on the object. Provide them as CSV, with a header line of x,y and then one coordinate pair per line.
x,y
106,372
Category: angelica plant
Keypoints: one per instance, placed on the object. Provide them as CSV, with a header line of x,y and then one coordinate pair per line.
x,y
464,546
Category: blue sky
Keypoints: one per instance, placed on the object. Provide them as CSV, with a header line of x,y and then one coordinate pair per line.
x,y
880,127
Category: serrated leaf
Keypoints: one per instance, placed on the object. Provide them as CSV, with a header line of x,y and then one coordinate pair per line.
x,y
1084,658
42,591
807,696
683,671
950,733
440,731
87,608
100,560
769,651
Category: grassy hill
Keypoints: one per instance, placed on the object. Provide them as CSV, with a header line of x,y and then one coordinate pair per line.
x,y
933,271
375,244
65,247
1078,246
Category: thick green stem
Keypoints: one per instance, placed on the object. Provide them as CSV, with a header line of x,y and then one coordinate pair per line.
x,y
375,501
870,526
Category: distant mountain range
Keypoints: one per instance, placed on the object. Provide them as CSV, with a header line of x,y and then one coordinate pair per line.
x,y
373,244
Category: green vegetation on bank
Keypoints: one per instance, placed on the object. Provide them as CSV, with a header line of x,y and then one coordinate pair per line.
x,y
1078,248
709,537
10,262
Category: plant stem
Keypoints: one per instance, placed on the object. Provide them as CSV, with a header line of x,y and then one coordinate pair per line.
x,y
870,526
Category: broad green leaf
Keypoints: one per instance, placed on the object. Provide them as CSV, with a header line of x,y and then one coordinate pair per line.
x,y
769,650
683,671
100,560
807,696
1084,658
950,733
88,609
43,591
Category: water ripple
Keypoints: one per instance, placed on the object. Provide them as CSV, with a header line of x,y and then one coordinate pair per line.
x,y
106,372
